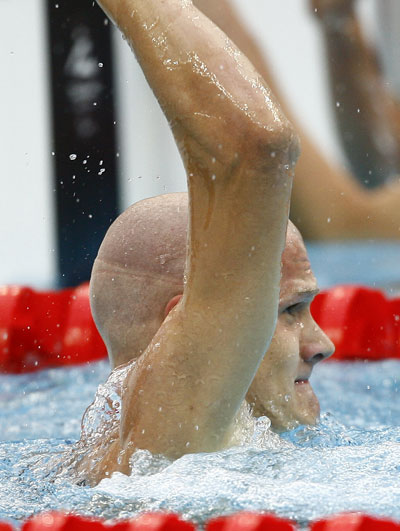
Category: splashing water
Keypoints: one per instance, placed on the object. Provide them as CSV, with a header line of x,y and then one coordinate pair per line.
x,y
350,461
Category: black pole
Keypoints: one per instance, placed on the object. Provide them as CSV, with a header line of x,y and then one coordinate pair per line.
x,y
84,137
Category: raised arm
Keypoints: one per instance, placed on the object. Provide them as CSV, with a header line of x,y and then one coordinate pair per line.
x,y
239,151
367,114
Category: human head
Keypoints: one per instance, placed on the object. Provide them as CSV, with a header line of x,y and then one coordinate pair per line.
x,y
138,270
281,389
138,275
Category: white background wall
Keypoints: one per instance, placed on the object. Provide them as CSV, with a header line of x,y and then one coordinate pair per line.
x,y
149,161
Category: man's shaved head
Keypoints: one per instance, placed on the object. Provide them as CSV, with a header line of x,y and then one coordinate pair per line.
x,y
139,269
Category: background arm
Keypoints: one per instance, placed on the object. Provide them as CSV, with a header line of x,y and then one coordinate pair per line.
x,y
327,202
367,113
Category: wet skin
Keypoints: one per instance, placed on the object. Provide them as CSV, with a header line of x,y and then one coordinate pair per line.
x,y
281,389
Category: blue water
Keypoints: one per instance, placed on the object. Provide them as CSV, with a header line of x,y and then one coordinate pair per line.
x,y
351,461
370,263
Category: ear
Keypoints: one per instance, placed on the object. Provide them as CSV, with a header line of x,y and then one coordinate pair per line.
x,y
172,302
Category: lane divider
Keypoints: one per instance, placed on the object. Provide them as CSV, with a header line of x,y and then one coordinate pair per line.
x,y
243,521
46,329
362,322
41,329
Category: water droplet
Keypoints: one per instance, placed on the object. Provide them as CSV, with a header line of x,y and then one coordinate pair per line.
x,y
213,177
100,65
273,154
72,156
338,104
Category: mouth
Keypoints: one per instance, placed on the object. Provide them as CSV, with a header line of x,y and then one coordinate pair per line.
x,y
303,378
301,381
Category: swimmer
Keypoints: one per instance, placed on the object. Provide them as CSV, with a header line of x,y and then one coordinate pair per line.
x,y
228,329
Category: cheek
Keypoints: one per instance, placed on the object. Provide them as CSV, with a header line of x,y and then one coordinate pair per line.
x,y
284,348
279,367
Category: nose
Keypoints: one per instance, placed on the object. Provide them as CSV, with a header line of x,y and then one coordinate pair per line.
x,y
315,345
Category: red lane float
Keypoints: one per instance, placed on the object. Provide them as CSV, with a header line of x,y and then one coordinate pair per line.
x,y
244,521
155,522
354,522
247,521
62,522
361,322
46,329
146,522
53,328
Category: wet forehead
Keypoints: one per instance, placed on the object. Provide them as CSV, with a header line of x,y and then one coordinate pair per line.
x,y
297,275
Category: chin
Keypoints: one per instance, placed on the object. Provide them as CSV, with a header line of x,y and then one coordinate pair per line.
x,y
302,409
307,404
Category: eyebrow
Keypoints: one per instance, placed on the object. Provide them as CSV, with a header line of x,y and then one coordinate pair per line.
x,y
298,297
307,293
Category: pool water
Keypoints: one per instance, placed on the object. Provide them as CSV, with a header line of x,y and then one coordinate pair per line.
x,y
350,461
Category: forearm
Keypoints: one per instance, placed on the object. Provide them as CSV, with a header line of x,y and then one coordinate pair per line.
x,y
200,78
367,114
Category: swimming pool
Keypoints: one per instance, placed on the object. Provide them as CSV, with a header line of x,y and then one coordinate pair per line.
x,y
354,452
351,461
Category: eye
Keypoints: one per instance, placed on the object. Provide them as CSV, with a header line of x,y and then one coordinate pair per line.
x,y
293,309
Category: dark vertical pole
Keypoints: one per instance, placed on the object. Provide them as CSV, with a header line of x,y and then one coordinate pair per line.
x,y
83,133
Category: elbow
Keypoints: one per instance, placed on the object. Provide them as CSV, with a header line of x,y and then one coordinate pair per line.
x,y
274,148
